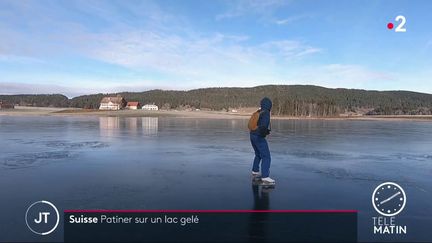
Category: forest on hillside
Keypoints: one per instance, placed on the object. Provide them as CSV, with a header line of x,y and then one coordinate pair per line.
x,y
41,100
292,100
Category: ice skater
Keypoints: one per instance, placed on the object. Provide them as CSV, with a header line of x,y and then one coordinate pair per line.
x,y
259,126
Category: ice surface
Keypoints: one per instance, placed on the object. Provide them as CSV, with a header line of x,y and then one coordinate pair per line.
x,y
175,163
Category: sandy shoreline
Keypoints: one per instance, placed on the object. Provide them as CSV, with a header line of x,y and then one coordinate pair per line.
x,y
48,111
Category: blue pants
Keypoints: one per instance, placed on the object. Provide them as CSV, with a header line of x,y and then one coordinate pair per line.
x,y
262,153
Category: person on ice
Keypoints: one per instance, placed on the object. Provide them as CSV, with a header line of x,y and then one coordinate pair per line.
x,y
259,126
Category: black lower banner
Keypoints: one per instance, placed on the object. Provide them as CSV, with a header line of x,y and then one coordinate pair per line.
x,y
210,225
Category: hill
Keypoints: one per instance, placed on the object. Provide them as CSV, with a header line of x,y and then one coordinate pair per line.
x,y
292,100
44,100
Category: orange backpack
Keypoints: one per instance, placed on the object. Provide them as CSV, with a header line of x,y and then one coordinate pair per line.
x,y
253,121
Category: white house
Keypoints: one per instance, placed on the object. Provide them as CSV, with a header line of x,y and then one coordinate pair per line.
x,y
112,103
150,107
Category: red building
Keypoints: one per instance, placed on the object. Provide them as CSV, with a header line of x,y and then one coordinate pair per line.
x,y
133,105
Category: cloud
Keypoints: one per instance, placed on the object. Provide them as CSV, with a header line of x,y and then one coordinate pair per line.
x,y
197,57
247,7
291,19
354,73
344,75
19,59
288,49
162,48
93,87
159,41
7,88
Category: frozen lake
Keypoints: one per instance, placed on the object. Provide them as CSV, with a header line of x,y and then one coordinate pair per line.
x,y
187,163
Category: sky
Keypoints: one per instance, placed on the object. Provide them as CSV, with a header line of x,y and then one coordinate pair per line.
x,y
83,47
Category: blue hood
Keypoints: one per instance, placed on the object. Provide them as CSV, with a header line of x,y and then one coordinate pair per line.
x,y
266,104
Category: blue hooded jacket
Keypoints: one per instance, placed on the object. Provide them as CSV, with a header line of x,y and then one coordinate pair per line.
x,y
264,118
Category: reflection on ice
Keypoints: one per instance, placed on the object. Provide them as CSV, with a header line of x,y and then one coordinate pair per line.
x,y
234,123
132,124
109,126
150,125
257,229
114,126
